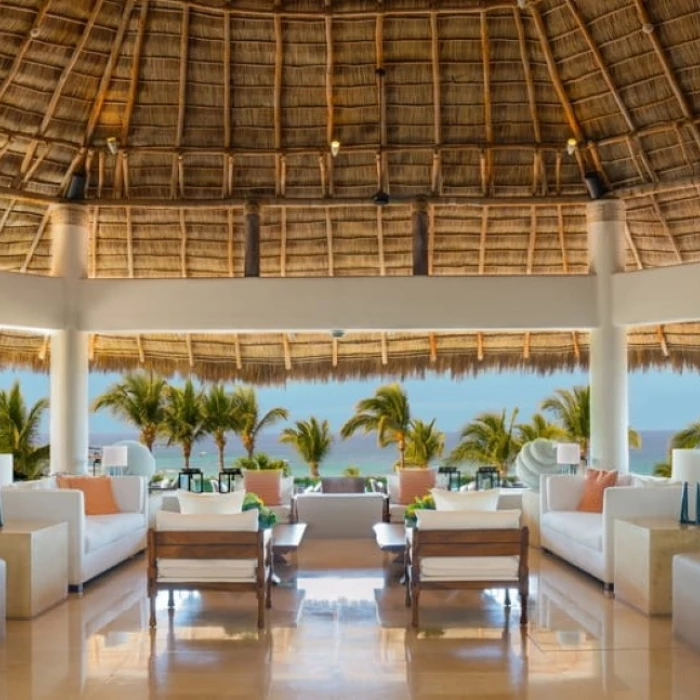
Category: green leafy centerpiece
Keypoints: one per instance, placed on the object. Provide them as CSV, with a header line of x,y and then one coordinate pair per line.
x,y
425,503
266,517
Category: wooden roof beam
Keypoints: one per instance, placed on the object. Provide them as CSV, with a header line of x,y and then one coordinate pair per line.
x,y
183,244
329,243
633,248
334,352
190,353
437,117
237,351
562,241
330,110
23,48
488,119
182,83
384,348
231,230
432,341
526,346
94,233
532,241
129,244
227,82
68,68
666,228
106,79
577,348
35,241
287,352
666,66
380,241
661,335
381,104
480,347
6,214
482,239
283,242
277,95
134,73
139,349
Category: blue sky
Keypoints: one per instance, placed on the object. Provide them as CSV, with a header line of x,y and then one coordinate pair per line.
x,y
658,400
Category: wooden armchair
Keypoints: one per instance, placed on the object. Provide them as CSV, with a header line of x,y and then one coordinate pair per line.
x,y
438,558
218,560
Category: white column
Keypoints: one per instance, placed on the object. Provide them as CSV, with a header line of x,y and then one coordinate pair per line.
x,y
609,447
69,348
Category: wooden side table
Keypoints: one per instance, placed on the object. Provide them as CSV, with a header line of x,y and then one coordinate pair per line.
x,y
36,554
644,549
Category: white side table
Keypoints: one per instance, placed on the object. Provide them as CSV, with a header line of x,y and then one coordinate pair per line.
x,y
644,549
36,556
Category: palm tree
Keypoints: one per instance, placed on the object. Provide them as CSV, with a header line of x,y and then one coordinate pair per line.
x,y
248,422
424,443
539,427
387,413
185,418
138,399
489,440
311,439
19,430
686,439
219,417
572,408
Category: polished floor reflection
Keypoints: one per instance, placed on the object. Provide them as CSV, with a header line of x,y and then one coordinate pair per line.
x,y
342,633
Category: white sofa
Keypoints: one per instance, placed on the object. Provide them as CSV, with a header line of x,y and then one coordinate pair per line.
x,y
586,540
95,542
340,515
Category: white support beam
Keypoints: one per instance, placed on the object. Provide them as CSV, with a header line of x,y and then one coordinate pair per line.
x,y
32,302
660,295
250,305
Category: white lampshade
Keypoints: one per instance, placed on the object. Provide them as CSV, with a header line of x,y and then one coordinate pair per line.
x,y
685,465
568,453
115,456
6,469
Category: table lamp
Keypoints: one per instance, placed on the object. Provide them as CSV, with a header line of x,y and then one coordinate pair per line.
x,y
685,467
115,458
569,455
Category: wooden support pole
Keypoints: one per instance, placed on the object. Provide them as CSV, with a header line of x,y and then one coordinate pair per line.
x,y
237,351
380,241
252,239
334,352
488,120
329,243
287,352
419,225
432,340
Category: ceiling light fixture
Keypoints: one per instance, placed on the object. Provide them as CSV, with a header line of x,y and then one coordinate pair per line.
x,y
113,145
571,145
335,148
337,333
521,4
648,28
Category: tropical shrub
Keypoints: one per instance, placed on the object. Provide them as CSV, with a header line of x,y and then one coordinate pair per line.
x,y
266,516
262,461
427,502
352,471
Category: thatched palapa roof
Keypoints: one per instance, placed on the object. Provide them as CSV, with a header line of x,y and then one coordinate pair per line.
x,y
215,103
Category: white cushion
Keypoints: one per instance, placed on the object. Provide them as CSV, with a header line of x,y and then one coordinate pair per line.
x,y
397,512
392,488
247,521
102,530
206,569
469,568
584,528
467,520
465,500
210,503
650,481
287,490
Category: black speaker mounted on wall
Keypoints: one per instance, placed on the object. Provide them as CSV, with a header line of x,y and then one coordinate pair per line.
x,y
595,185
76,189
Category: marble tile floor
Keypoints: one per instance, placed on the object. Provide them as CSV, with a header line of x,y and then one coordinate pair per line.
x,y
342,633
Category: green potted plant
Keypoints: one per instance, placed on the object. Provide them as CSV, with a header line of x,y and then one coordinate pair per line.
x,y
425,503
266,517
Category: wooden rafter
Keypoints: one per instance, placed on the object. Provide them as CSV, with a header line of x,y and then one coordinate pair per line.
x,y
139,349
125,174
329,243
237,352
384,348
78,158
183,244
190,353
134,73
431,239
68,68
44,349
182,83
35,241
380,241
432,341
577,348
23,47
94,232
330,110
529,81
437,117
480,346
667,68
106,79
661,335
91,346
482,239
381,102
554,76
334,352
6,214
526,346
231,230
532,241
488,119
562,241
227,82
287,352
277,94
6,146
633,248
29,166
667,229
129,245
283,242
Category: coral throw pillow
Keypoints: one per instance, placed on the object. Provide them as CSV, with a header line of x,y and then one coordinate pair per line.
x,y
265,484
596,483
414,483
97,492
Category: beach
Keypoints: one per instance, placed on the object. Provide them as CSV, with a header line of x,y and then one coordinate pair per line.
x,y
359,451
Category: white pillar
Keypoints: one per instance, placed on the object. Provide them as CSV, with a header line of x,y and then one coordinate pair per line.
x,y
609,448
69,352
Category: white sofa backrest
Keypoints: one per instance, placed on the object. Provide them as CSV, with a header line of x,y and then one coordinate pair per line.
x,y
467,520
561,491
247,521
129,497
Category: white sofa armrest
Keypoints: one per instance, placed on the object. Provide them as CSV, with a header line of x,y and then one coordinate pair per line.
x,y
560,492
55,505
622,502
130,493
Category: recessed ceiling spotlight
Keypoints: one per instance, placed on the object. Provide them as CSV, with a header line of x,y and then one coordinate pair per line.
x,y
35,33
522,4
113,145
648,28
337,333
571,145
335,148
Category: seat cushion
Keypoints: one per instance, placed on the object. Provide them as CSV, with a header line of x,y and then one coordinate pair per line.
x,y
102,530
192,570
469,568
584,528
210,503
465,500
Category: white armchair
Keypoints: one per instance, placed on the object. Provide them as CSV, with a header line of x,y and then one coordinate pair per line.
x,y
586,540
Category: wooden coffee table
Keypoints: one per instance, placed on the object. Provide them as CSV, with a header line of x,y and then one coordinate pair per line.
x,y
286,538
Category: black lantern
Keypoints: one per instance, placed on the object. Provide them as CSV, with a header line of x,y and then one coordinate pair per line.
x,y
193,478
487,478
228,476
452,476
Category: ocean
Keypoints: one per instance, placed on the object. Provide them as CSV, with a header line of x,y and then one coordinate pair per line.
x,y
358,451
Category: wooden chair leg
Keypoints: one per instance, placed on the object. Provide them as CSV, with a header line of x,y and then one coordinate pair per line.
x,y
507,597
171,599
523,607
407,594
152,603
261,608
268,590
